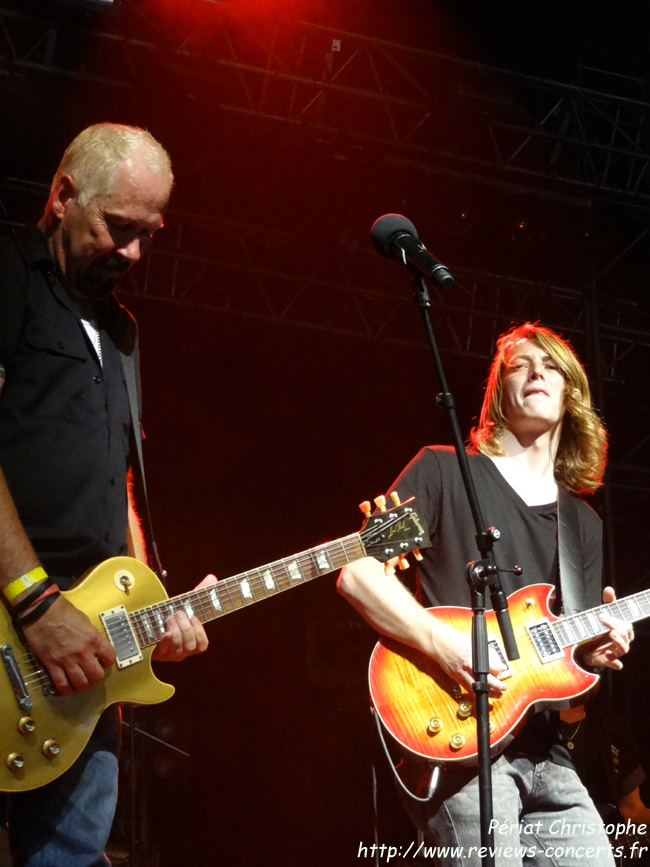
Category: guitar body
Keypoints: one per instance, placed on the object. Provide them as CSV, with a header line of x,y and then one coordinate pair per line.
x,y
42,733
425,710
70,720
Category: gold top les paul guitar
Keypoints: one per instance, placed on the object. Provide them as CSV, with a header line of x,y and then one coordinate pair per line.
x,y
433,718
42,732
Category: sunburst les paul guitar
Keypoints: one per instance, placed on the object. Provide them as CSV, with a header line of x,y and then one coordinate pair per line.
x,y
43,732
433,718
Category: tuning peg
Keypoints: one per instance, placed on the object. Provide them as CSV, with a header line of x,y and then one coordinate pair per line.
x,y
380,502
395,498
417,554
403,563
389,569
365,508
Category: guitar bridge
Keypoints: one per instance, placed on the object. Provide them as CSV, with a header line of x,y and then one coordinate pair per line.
x,y
16,679
121,635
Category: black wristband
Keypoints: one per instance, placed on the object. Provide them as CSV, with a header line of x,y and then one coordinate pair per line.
x,y
39,610
32,596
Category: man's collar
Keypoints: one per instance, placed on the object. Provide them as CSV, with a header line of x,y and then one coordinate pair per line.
x,y
32,245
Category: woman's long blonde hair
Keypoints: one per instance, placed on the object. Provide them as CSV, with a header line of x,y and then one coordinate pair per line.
x,y
582,450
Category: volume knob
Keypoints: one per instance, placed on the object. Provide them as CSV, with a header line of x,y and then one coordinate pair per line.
x,y
15,761
464,710
457,741
26,725
51,748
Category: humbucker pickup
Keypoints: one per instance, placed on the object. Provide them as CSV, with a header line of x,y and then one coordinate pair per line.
x,y
121,635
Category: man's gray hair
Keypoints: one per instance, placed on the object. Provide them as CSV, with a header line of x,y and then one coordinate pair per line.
x,y
93,157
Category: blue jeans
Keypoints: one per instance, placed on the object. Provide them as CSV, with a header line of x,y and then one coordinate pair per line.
x,y
542,816
67,822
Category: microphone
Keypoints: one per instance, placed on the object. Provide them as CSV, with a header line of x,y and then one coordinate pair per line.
x,y
396,237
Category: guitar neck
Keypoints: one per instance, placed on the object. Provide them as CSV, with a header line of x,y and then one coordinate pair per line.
x,y
240,591
581,627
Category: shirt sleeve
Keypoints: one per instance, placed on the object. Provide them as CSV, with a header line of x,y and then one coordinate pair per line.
x,y
13,301
422,479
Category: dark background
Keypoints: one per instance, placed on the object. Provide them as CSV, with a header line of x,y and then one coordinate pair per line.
x,y
284,368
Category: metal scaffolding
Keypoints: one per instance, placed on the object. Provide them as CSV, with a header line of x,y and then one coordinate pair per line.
x,y
590,135
581,144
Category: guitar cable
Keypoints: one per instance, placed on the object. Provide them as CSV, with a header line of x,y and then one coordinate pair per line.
x,y
435,771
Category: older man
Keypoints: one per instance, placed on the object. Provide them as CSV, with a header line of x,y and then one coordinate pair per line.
x,y
538,443
65,449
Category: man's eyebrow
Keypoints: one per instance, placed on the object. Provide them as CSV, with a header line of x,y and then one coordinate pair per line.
x,y
123,218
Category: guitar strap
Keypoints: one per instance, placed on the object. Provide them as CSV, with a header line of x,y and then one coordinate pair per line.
x,y
128,357
569,548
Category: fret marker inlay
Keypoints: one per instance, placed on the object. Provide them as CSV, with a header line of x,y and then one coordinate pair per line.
x,y
214,599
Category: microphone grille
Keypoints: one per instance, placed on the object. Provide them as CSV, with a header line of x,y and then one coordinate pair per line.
x,y
384,230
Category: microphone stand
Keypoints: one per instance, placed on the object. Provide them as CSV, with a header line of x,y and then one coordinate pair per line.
x,y
480,574
138,831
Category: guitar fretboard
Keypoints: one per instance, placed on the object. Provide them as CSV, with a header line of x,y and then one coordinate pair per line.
x,y
239,591
577,628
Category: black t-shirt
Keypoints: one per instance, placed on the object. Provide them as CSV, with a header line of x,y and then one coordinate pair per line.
x,y
528,533
528,539
65,421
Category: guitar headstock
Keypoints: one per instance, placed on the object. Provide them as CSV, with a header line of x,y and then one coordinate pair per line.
x,y
392,532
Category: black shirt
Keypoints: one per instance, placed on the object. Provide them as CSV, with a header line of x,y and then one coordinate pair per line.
x,y
64,418
528,533
528,539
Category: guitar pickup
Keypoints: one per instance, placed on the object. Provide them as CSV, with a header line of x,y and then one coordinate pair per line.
x,y
121,635
494,645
